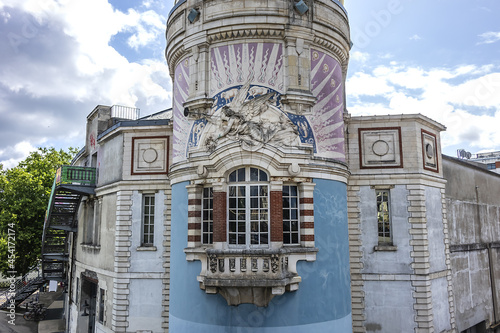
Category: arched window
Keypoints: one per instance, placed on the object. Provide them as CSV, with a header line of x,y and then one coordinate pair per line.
x,y
248,208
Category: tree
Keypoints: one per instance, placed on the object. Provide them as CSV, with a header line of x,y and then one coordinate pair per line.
x,y
24,196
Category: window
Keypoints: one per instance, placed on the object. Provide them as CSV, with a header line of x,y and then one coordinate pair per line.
x,y
92,224
208,216
290,215
383,217
248,215
491,166
102,293
148,219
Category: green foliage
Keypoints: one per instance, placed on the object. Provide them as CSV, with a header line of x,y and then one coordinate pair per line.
x,y
24,195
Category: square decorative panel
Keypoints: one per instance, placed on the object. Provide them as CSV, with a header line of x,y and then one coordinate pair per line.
x,y
150,155
380,148
429,151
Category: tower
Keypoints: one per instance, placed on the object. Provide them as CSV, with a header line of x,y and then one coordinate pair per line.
x,y
259,173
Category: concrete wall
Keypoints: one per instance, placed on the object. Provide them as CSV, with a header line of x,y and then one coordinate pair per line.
x,y
111,161
147,259
434,214
389,297
473,203
145,310
385,262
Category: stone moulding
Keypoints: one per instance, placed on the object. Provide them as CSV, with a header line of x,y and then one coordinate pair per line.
x,y
250,275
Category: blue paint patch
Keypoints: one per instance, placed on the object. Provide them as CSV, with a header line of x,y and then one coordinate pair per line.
x,y
195,133
323,296
305,131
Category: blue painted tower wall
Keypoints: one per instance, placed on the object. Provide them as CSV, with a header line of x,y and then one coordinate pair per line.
x,y
322,303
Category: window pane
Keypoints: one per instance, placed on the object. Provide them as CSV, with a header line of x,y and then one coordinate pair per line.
x,y
254,191
232,203
254,226
232,238
263,191
286,238
232,176
241,175
295,238
286,191
241,239
286,227
263,176
263,202
286,202
254,175
254,203
263,238
241,203
241,191
263,227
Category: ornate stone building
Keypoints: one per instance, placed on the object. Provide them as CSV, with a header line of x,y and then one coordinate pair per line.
x,y
258,204
258,160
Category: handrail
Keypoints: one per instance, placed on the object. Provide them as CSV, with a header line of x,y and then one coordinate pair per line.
x,y
20,283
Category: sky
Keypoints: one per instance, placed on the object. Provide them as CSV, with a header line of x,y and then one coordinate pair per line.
x,y
61,58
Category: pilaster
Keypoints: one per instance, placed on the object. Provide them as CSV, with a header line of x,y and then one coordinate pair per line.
x,y
355,260
119,321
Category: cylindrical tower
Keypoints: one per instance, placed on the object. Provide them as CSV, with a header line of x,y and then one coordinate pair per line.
x,y
259,201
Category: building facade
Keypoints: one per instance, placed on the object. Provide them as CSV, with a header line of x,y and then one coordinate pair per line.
x,y
258,158
258,204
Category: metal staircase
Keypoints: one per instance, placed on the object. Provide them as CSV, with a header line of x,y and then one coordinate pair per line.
x,y
70,185
24,287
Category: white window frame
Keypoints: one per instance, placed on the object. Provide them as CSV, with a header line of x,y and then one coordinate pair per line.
x,y
207,215
247,184
290,219
150,214
384,239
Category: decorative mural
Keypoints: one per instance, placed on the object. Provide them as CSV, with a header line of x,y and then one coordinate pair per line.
x,y
252,120
246,84
181,123
261,64
327,119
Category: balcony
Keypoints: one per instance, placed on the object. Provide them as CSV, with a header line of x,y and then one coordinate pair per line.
x,y
250,275
70,184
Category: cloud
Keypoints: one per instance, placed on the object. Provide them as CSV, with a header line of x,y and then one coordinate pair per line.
x,y
466,99
361,57
415,37
489,37
57,63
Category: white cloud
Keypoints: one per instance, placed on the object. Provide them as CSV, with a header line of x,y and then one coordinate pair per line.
x,y
19,152
415,37
466,106
489,37
361,57
58,62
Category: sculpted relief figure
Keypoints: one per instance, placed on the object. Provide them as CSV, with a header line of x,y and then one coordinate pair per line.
x,y
253,123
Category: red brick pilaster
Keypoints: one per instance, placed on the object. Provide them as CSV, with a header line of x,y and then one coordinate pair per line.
x,y
220,216
276,215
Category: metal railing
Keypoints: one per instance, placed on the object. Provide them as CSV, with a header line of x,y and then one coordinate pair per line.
x,y
76,175
19,284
